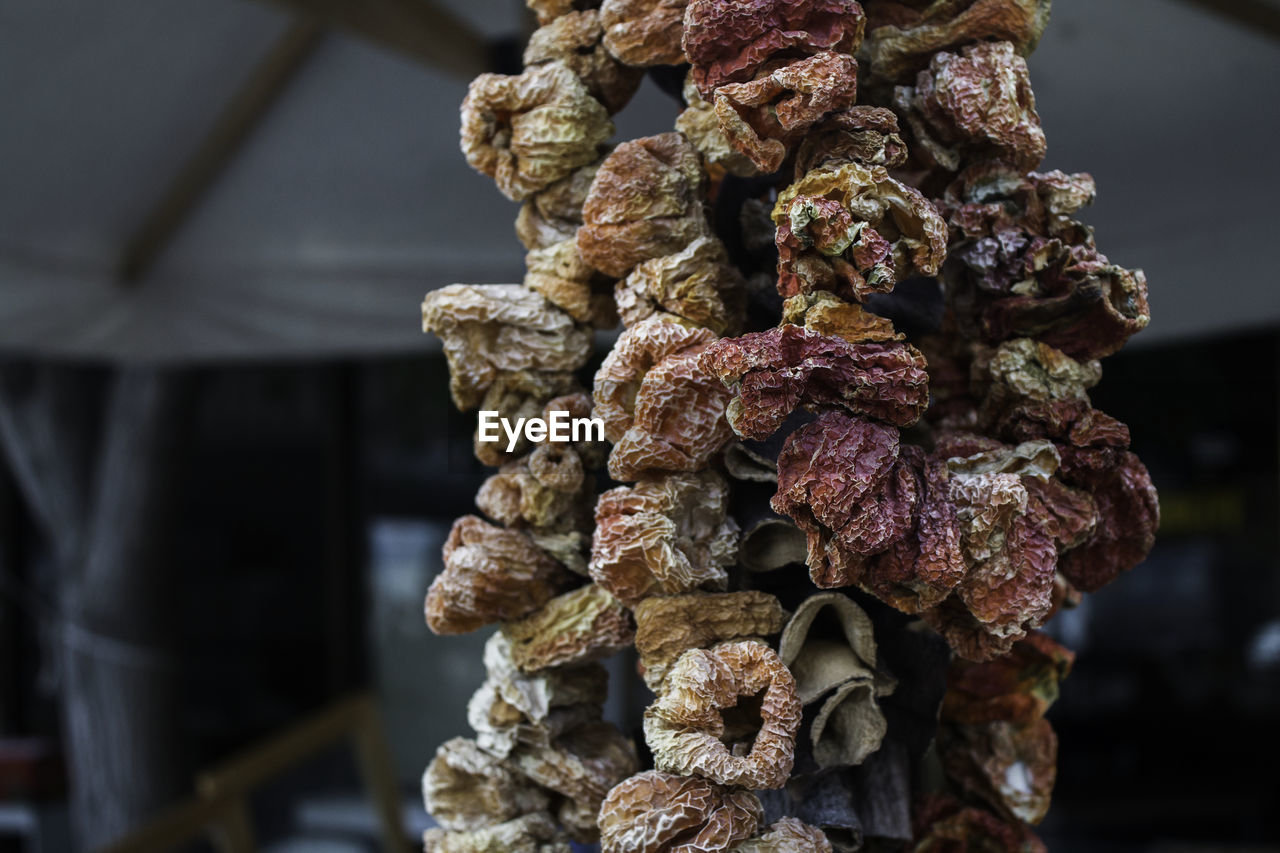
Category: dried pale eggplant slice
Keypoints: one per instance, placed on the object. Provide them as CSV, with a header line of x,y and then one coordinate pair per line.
x,y
835,665
853,624
850,725
787,835
771,543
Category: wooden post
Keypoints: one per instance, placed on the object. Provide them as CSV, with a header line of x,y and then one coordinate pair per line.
x,y
374,757
424,31
117,676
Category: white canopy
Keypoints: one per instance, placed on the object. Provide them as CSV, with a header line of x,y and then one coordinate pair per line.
x,y
349,199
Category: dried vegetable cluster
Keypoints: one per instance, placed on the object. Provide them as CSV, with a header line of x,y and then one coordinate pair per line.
x,y
848,417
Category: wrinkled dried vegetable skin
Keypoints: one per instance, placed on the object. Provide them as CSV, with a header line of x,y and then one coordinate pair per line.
x,y
729,41
644,32
491,329
679,421
696,284
1128,514
668,626
774,372
545,490
1029,390
638,349
1018,687
699,124
658,812
1012,767
825,314
465,788
547,11
513,710
1011,559
490,574
534,833
583,625
903,36
514,395
554,214
943,824
854,230
529,131
1028,494
664,536
762,118
662,412
920,570
860,134
575,39
839,480
787,835
558,273
583,764
1010,578
1019,266
974,105
646,202
683,727
501,727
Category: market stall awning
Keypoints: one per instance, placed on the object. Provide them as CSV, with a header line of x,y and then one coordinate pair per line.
x,y
347,198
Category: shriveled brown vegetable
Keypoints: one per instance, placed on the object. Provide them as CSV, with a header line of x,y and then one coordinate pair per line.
x,y
530,130
685,725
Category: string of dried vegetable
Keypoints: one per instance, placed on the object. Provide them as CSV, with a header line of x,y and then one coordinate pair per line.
x,y
859,333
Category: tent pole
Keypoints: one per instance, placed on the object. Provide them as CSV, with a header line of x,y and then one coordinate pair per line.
x,y
112,629
1259,15
232,127
420,29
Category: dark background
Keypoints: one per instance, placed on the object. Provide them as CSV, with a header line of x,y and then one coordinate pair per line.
x,y
306,485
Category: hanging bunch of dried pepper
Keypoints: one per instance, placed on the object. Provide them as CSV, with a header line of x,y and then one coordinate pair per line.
x,y
836,165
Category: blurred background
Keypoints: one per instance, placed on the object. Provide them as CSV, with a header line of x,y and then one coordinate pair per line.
x,y
229,459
